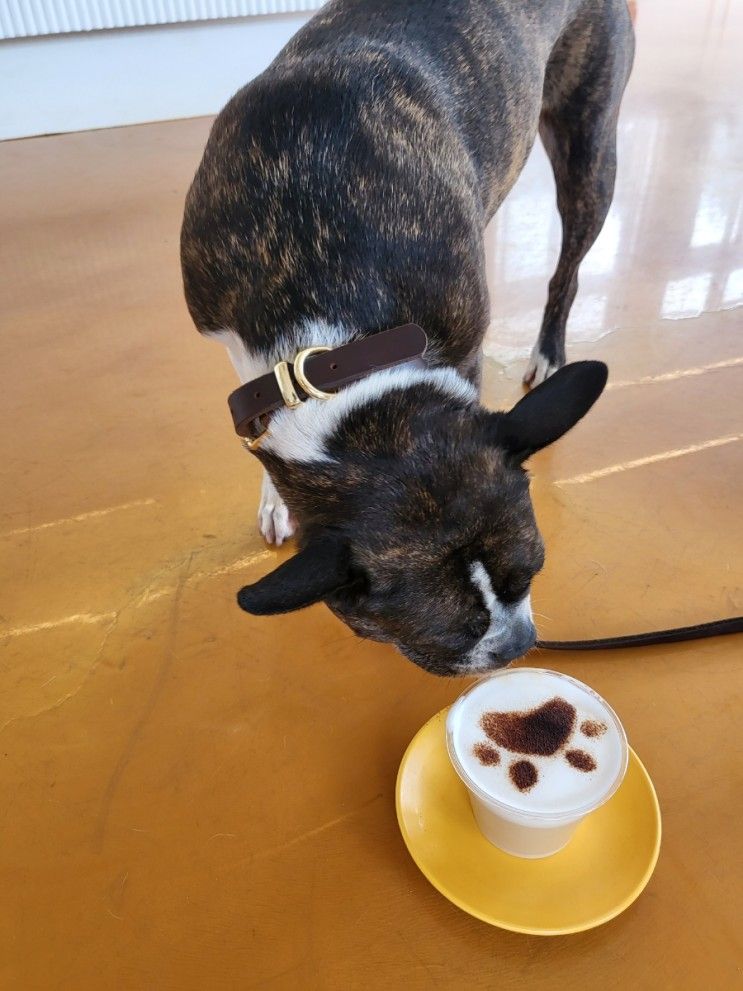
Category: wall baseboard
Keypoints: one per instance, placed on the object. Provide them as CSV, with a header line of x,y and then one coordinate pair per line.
x,y
29,18
77,82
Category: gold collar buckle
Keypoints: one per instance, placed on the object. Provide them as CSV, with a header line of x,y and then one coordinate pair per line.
x,y
301,376
288,392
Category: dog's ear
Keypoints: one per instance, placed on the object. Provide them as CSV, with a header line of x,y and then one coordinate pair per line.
x,y
550,410
315,572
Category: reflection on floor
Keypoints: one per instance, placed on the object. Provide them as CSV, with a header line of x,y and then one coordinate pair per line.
x,y
195,799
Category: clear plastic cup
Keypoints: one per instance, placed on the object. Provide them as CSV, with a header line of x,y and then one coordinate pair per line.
x,y
540,821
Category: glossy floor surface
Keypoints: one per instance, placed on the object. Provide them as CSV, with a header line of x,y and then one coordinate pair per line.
x,y
195,799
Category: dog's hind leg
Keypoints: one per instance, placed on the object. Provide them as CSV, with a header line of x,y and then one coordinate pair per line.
x,y
584,81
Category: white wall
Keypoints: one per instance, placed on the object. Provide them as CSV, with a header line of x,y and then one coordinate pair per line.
x,y
74,82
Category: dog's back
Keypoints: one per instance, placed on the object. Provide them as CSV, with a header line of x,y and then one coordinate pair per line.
x,y
352,181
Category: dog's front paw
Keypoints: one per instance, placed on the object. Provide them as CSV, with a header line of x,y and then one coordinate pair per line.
x,y
274,520
539,368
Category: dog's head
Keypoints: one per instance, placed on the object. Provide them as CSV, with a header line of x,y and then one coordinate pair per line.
x,y
436,549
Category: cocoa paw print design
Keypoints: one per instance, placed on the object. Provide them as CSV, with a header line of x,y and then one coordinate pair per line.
x,y
544,731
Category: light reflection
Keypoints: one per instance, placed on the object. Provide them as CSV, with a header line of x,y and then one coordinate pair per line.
x,y
667,245
640,145
686,297
602,256
733,291
710,221
524,223
588,314
736,231
510,337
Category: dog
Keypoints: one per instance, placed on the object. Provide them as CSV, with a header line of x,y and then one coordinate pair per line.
x,y
345,191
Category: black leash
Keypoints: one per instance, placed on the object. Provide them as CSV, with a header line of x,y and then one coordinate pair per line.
x,y
717,628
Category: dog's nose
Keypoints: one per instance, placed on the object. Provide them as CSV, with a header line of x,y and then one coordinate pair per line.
x,y
517,646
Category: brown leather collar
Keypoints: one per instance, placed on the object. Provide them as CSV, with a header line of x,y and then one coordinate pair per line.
x,y
314,372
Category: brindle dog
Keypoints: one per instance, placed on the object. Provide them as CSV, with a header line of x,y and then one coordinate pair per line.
x,y
345,191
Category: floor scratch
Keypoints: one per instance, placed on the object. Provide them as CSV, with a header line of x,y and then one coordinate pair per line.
x,y
149,595
302,837
141,722
66,698
80,617
681,452
81,517
679,373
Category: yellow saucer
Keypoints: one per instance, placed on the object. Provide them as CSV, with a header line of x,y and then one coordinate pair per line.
x,y
596,876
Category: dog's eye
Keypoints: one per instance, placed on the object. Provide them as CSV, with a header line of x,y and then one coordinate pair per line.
x,y
515,587
477,627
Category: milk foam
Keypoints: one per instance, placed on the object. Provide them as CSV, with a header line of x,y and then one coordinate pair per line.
x,y
560,787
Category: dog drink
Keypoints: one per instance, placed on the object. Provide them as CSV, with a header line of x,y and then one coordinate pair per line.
x,y
538,751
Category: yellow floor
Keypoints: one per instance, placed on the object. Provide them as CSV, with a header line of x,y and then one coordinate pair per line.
x,y
192,798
